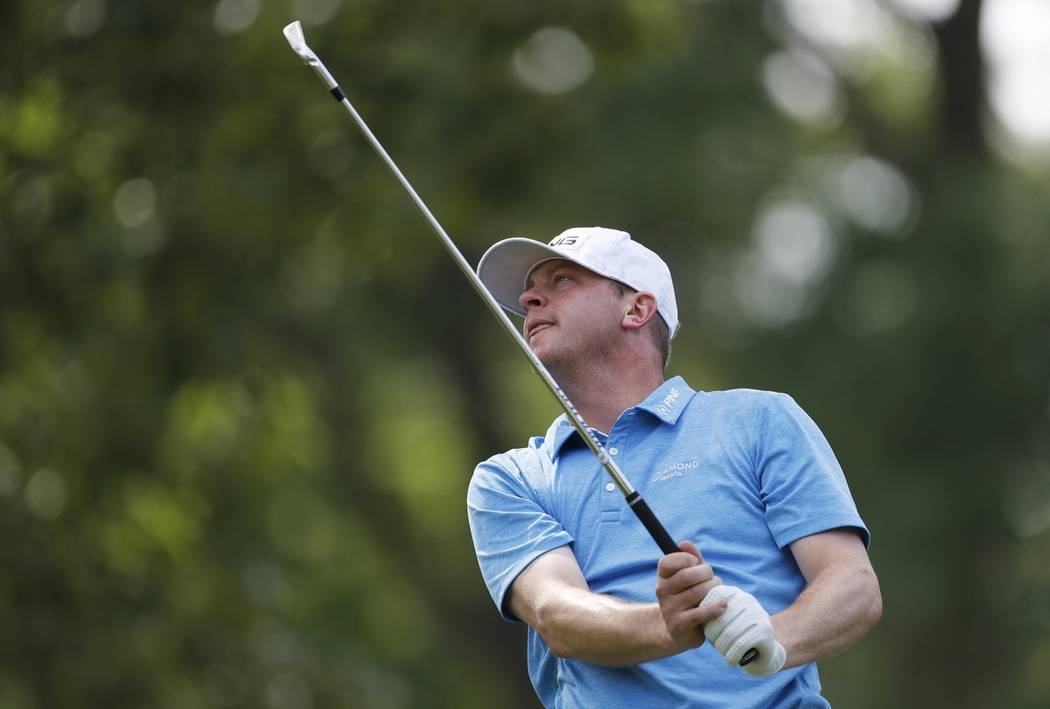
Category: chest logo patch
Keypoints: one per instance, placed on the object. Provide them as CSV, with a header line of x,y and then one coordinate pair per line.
x,y
675,470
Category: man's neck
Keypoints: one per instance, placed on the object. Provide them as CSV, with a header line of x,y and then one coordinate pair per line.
x,y
602,394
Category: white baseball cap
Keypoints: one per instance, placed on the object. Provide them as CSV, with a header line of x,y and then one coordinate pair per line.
x,y
506,266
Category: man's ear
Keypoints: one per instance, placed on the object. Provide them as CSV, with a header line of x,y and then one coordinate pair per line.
x,y
642,309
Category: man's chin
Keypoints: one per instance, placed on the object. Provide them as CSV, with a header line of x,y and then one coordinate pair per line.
x,y
549,356
548,351
542,353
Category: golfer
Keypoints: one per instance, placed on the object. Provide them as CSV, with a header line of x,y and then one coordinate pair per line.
x,y
743,476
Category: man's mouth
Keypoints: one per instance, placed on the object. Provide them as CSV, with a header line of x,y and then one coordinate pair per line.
x,y
537,326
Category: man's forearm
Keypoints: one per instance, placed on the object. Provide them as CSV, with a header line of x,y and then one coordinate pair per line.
x,y
835,610
603,630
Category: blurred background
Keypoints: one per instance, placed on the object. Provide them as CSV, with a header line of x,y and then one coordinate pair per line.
x,y
243,388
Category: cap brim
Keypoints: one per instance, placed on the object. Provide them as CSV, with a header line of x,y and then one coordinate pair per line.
x,y
507,263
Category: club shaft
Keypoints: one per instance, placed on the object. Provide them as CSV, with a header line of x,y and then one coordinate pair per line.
x,y
659,534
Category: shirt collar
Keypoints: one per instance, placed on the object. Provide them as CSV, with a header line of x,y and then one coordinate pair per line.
x,y
665,403
559,432
669,400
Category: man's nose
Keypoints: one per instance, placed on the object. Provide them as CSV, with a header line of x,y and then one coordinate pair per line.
x,y
531,298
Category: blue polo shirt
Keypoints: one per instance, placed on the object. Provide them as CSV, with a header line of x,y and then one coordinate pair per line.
x,y
741,473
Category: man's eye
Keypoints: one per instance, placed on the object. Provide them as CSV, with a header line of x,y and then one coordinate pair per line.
x,y
560,277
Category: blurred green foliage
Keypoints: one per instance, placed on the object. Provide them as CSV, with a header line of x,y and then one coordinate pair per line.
x,y
242,388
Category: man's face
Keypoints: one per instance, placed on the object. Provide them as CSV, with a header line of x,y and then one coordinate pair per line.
x,y
570,313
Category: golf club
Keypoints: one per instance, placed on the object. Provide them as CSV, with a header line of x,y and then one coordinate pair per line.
x,y
294,34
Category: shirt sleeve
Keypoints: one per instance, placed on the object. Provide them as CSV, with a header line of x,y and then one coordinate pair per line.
x,y
509,525
802,485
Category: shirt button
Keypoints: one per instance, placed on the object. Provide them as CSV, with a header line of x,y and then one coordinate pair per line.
x,y
610,487
614,450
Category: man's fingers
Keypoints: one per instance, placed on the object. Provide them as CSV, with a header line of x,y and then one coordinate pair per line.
x,y
673,563
707,612
694,594
676,561
698,616
686,579
702,589
692,620
688,547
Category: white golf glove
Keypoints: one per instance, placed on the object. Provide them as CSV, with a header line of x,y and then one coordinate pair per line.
x,y
744,625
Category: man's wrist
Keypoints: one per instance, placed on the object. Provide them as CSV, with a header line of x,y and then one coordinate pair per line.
x,y
664,639
782,635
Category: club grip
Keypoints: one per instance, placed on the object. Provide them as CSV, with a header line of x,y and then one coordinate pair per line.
x,y
648,519
666,544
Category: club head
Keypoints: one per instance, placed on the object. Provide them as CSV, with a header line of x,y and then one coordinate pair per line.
x,y
293,32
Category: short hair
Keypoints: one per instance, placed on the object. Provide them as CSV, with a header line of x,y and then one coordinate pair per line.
x,y
657,327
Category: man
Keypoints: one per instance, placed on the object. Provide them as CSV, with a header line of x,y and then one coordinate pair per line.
x,y
744,474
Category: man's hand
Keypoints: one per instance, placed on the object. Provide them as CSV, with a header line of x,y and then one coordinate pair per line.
x,y
743,625
684,581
